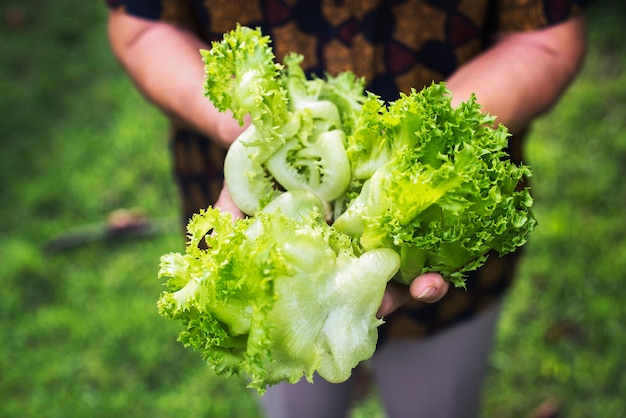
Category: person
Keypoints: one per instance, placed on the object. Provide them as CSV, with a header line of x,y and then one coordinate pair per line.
x,y
517,56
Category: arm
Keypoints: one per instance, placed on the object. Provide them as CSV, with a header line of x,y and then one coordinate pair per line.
x,y
172,78
523,74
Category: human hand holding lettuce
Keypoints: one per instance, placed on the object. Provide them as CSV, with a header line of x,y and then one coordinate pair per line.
x,y
344,192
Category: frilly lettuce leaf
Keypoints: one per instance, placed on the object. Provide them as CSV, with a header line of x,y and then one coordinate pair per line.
x,y
278,296
242,76
442,190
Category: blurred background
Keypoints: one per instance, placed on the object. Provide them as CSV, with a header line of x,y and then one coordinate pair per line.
x,y
88,206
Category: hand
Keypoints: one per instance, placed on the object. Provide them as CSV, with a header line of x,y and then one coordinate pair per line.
x,y
429,288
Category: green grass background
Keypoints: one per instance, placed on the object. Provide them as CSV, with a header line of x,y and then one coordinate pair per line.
x,y
79,332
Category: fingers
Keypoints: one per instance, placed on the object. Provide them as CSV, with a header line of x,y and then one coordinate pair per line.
x,y
429,287
225,204
395,296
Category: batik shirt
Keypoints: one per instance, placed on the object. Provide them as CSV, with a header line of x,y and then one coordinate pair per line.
x,y
395,45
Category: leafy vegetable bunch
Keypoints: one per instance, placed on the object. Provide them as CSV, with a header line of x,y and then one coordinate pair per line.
x,y
344,192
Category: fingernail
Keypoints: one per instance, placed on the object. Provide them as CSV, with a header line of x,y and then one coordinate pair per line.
x,y
427,293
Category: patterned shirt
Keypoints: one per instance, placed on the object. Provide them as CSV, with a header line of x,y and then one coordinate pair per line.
x,y
396,45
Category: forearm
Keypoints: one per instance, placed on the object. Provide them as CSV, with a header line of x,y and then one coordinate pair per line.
x,y
165,64
523,75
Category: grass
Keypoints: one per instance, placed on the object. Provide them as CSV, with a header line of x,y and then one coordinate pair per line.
x,y
561,335
80,333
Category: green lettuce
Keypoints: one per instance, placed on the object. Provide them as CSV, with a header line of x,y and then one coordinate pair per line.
x,y
278,296
298,128
438,185
344,192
